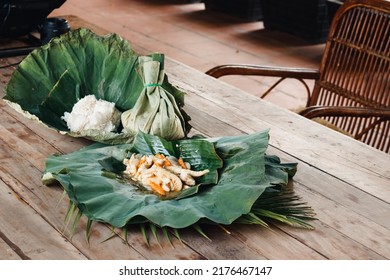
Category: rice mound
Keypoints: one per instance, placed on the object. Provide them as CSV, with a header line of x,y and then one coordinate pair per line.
x,y
92,114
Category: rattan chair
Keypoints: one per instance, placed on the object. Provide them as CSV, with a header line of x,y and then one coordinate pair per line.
x,y
352,85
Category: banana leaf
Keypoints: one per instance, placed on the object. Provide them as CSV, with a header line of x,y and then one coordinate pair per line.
x,y
240,172
51,79
155,111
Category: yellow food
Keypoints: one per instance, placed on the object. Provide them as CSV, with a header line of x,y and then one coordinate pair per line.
x,y
160,174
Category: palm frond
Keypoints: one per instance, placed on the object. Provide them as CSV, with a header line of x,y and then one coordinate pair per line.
x,y
281,205
126,235
177,234
75,222
166,235
64,194
200,231
284,206
113,234
224,229
88,230
144,234
251,219
70,212
153,229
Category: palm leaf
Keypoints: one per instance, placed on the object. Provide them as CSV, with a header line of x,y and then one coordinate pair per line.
x,y
75,222
113,234
176,233
88,230
70,214
166,234
251,219
153,229
144,234
284,206
126,235
200,231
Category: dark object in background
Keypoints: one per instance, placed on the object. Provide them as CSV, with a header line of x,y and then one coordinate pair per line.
x,y
20,17
245,10
307,19
53,27
50,28
333,6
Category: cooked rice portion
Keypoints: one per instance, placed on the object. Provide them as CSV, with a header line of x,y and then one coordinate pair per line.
x,y
92,114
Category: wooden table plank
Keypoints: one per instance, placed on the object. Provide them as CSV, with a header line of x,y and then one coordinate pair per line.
x,y
6,252
349,160
29,231
335,190
343,233
273,243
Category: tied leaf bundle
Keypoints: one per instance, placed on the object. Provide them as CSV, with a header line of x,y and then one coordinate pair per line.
x,y
155,111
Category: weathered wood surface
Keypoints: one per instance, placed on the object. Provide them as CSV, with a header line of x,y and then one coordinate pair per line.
x,y
321,147
6,252
345,181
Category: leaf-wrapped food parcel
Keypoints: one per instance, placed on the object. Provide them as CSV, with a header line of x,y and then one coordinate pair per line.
x,y
155,111
54,77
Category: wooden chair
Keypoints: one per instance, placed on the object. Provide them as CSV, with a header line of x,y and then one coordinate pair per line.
x,y
352,84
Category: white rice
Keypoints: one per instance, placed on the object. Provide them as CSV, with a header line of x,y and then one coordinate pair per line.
x,y
92,114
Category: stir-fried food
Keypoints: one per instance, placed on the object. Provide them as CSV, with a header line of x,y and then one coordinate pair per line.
x,y
161,174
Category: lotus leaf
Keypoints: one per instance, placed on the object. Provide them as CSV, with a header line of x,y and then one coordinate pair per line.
x,y
238,176
50,80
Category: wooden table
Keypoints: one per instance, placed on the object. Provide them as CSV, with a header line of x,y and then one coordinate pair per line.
x,y
345,181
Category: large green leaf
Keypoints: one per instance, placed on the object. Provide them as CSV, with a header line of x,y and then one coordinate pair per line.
x,y
229,192
50,80
99,65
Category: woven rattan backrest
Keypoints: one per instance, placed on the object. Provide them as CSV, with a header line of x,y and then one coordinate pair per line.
x,y
355,70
